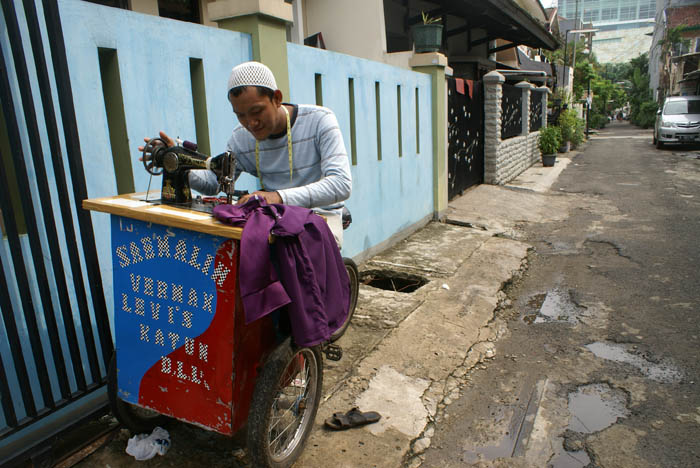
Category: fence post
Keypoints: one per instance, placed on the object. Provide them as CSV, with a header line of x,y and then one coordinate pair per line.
x,y
434,64
266,22
493,94
544,93
525,87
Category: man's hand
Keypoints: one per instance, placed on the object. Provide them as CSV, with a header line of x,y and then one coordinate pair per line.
x,y
168,143
270,197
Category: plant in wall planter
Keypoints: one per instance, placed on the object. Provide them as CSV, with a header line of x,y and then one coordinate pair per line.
x,y
549,142
427,37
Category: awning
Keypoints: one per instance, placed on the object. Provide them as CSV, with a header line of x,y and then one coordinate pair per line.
x,y
501,19
526,63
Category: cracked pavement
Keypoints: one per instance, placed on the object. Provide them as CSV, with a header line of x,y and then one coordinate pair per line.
x,y
471,370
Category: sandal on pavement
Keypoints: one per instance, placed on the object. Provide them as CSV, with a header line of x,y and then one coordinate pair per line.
x,y
353,418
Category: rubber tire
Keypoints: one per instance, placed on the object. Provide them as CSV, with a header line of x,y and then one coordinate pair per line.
x,y
354,276
127,414
659,144
653,139
263,397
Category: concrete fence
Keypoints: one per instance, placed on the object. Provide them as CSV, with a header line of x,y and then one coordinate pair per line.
x,y
505,159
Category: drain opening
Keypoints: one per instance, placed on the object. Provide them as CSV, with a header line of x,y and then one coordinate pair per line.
x,y
392,280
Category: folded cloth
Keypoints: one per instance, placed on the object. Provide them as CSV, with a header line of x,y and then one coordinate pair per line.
x,y
312,280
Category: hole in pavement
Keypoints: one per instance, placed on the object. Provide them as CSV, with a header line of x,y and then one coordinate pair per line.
x,y
594,407
554,306
659,372
392,280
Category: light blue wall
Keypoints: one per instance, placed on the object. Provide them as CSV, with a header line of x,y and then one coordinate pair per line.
x,y
154,66
390,195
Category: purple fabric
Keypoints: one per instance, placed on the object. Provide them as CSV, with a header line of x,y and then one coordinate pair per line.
x,y
313,282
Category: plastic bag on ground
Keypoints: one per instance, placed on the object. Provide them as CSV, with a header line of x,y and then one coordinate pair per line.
x,y
145,446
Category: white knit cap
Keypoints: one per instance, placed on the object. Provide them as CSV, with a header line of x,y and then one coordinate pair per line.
x,y
251,74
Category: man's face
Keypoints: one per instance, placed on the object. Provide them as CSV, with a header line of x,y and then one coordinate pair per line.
x,y
256,112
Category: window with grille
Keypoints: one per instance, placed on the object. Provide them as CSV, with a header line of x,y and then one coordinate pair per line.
x,y
608,14
647,10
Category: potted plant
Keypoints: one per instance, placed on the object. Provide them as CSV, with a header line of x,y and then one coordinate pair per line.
x,y
549,142
567,125
427,37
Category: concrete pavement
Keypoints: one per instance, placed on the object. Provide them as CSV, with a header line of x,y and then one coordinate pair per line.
x,y
444,329
406,354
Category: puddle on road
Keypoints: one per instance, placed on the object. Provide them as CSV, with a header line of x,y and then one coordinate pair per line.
x,y
564,459
594,407
554,306
659,372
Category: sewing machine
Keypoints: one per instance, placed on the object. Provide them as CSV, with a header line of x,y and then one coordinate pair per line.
x,y
175,162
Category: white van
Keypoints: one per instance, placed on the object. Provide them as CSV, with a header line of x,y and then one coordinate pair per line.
x,y
678,121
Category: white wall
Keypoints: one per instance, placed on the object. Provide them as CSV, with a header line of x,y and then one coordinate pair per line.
x,y
354,28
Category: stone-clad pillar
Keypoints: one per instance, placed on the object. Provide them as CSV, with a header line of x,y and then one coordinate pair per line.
x,y
434,63
493,88
266,22
525,87
544,93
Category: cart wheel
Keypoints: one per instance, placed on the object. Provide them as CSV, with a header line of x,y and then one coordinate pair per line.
x,y
137,420
284,405
354,276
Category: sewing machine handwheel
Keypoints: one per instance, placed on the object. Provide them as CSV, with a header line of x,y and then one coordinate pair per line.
x,y
148,160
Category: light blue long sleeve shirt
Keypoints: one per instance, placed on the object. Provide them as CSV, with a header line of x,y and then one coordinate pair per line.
x,y
321,174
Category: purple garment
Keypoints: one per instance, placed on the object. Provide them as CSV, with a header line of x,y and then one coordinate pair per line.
x,y
313,281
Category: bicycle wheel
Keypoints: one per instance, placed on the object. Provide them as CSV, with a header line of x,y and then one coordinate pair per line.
x,y
285,400
354,276
137,420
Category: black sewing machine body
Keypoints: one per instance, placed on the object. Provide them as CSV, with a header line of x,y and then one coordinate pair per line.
x,y
175,163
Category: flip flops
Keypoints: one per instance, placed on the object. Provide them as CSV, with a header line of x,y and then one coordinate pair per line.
x,y
353,418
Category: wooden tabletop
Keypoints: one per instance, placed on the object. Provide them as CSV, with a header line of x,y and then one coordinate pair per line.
x,y
132,205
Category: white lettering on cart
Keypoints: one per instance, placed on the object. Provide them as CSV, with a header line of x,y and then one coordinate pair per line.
x,y
122,252
196,374
159,337
220,274
203,352
135,253
125,303
155,310
176,292
174,338
187,319
163,246
181,250
135,282
123,259
207,264
148,251
192,298
144,332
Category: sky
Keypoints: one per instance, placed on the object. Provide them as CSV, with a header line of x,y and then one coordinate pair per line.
x,y
548,3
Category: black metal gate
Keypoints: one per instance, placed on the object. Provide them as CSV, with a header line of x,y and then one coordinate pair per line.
x,y
465,150
55,320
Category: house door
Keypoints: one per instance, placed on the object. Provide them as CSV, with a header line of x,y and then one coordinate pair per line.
x,y
465,135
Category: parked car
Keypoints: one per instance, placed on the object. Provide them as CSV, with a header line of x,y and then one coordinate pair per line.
x,y
678,121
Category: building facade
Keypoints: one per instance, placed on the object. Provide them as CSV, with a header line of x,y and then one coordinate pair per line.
x,y
624,26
